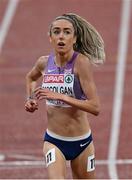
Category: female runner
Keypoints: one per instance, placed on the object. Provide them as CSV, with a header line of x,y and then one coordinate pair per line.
x,y
70,92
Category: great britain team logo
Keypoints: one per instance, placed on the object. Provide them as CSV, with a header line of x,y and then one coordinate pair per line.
x,y
68,78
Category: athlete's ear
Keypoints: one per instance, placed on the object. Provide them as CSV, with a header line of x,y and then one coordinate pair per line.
x,y
74,40
49,35
50,39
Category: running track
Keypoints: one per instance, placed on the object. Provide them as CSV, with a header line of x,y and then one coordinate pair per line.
x,y
23,38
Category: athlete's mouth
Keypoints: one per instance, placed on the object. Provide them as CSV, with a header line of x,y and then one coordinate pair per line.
x,y
61,44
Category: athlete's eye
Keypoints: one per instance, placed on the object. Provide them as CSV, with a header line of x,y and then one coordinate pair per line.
x,y
67,32
56,32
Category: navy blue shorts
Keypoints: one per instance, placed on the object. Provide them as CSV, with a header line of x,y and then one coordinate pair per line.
x,y
70,147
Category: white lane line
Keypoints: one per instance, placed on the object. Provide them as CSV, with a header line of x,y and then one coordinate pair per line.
x,y
42,163
119,87
22,156
6,22
2,157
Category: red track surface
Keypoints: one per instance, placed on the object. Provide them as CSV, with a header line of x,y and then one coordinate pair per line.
x,y
20,132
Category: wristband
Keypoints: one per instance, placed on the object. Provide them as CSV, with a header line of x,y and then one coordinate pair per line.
x,y
29,98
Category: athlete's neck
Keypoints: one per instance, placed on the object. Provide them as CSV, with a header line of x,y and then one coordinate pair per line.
x,y
62,59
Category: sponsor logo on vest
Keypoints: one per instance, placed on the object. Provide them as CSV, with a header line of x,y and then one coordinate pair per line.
x,y
68,78
53,78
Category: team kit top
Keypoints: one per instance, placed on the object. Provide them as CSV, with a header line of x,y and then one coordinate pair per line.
x,y
62,80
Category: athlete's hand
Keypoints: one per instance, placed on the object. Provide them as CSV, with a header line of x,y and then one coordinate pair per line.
x,y
43,93
31,105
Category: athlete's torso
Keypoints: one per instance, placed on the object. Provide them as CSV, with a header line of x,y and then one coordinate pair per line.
x,y
64,119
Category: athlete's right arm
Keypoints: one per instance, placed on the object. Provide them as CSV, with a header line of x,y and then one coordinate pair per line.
x,y
31,80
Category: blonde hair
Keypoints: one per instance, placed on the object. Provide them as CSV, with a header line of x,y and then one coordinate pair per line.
x,y
89,42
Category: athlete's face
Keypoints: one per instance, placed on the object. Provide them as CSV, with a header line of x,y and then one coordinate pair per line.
x,y
62,36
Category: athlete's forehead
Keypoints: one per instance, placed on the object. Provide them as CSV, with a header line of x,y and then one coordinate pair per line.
x,y
62,23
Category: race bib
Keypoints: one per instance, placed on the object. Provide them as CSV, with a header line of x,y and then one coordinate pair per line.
x,y
60,83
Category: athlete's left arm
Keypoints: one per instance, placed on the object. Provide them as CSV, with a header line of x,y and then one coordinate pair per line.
x,y
84,71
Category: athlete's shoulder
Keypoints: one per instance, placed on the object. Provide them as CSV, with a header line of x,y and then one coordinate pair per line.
x,y
42,62
82,61
82,58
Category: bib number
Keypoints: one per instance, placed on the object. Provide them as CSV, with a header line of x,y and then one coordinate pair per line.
x,y
50,157
91,163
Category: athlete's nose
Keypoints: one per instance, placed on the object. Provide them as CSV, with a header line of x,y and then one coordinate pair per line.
x,y
61,35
